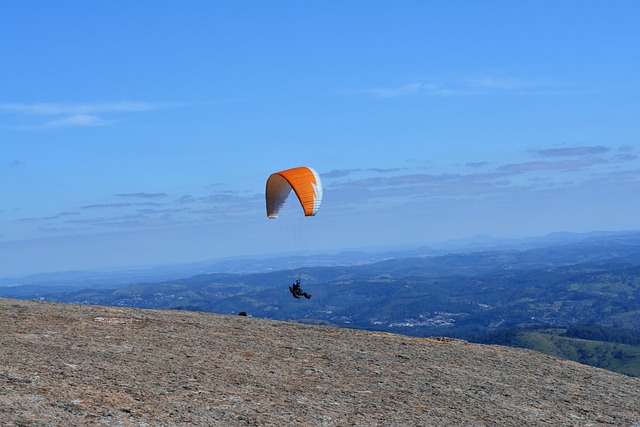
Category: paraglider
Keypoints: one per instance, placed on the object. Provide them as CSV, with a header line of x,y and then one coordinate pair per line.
x,y
305,183
297,292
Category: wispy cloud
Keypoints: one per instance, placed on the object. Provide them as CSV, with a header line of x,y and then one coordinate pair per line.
x,y
339,173
223,197
625,157
159,211
48,218
53,109
185,210
118,205
79,120
56,229
563,165
477,164
187,199
572,151
77,115
407,89
385,170
586,165
106,205
503,83
410,188
626,154
143,195
466,86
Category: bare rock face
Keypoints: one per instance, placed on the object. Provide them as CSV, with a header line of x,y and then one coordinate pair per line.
x,y
73,365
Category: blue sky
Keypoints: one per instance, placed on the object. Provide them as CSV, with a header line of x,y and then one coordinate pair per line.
x,y
142,133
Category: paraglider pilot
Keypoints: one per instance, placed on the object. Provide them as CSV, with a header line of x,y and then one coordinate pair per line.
x,y
297,292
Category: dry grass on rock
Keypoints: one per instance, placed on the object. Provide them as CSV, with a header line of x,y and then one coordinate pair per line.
x,y
72,365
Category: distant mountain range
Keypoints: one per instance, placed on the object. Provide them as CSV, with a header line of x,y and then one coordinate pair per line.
x,y
118,277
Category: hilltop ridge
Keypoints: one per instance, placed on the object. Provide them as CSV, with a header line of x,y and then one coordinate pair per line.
x,y
65,364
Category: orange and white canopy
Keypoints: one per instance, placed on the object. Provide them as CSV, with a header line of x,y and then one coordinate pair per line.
x,y
304,181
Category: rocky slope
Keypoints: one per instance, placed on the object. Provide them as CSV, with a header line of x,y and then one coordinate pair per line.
x,y
72,365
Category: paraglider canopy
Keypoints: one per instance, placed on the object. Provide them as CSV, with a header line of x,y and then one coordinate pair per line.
x,y
304,181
